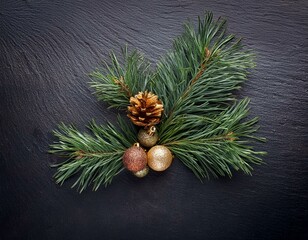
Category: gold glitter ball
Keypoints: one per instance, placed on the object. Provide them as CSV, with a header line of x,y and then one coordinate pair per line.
x,y
147,138
159,158
142,173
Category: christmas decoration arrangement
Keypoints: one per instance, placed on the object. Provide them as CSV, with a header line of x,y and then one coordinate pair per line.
x,y
184,110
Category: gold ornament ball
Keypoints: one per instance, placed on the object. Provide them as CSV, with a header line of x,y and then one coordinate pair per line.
x,y
135,159
147,139
159,158
142,173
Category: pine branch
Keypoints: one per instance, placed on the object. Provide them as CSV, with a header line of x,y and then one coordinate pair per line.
x,y
203,69
200,127
212,146
118,82
203,124
95,158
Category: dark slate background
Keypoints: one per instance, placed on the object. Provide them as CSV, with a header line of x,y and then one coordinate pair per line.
x,y
47,48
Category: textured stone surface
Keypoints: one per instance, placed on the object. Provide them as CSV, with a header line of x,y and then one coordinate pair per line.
x,y
47,48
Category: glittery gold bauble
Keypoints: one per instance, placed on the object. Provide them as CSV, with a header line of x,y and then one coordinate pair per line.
x,y
159,158
148,137
142,173
135,159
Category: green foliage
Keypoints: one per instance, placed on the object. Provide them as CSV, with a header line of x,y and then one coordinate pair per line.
x,y
202,70
116,83
203,124
210,146
97,159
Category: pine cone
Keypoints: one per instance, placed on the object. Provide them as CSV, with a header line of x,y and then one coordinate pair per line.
x,y
145,109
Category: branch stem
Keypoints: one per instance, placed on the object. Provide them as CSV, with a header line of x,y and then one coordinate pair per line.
x,y
80,154
227,137
202,68
123,86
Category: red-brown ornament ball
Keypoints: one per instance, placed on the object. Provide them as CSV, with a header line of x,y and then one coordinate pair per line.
x,y
159,158
135,159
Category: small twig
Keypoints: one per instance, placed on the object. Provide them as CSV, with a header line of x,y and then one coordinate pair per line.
x,y
230,136
123,86
80,154
227,137
203,66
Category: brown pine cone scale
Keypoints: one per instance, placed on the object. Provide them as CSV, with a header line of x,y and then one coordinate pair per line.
x,y
145,109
